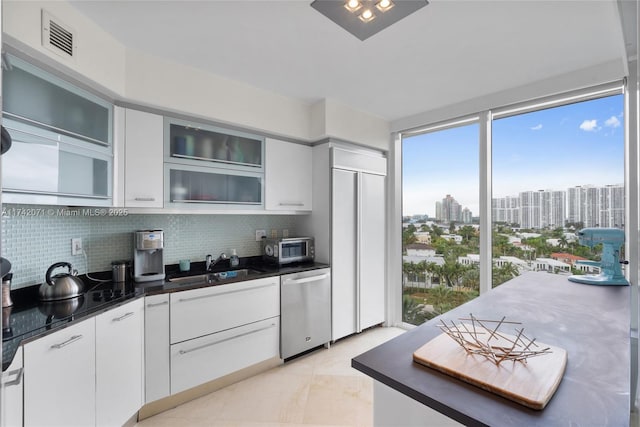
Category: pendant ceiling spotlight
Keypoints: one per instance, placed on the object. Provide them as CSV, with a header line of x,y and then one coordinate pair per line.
x,y
364,18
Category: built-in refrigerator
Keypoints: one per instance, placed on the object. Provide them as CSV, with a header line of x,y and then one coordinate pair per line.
x,y
349,225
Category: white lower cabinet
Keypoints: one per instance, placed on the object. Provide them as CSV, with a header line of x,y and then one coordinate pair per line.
x,y
221,329
207,358
156,347
11,412
199,312
119,363
60,377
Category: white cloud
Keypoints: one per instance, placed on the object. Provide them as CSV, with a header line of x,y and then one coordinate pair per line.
x,y
589,125
537,127
612,122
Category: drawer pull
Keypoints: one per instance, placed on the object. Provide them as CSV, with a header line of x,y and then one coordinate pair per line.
x,y
158,304
5,378
145,199
291,204
225,293
227,339
308,279
124,316
67,342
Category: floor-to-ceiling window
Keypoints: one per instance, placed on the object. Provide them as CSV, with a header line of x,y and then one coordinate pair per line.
x,y
555,171
440,205
557,166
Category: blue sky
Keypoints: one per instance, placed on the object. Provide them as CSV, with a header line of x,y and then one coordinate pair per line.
x,y
556,148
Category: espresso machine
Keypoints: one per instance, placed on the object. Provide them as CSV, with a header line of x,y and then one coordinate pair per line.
x,y
148,260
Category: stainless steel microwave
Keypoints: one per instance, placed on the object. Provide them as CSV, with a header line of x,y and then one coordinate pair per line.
x,y
284,251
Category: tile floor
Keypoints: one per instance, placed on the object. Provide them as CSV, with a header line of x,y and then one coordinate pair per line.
x,y
318,389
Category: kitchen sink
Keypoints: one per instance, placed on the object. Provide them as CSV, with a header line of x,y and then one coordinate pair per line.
x,y
216,277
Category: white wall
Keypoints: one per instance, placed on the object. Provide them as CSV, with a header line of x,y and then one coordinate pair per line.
x,y
100,58
589,77
132,76
151,80
333,119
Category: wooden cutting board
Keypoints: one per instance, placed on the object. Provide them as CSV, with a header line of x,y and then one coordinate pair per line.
x,y
531,384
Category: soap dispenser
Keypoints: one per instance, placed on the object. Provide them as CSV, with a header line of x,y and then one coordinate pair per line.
x,y
234,260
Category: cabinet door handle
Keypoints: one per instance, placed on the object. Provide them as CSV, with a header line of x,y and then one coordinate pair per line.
x,y
226,339
308,279
158,304
145,199
16,381
67,342
225,293
291,204
124,316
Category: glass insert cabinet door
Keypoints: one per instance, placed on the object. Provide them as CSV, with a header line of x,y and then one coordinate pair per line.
x,y
36,97
189,187
41,163
189,141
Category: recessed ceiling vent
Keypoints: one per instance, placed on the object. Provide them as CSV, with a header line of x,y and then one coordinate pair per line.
x,y
57,36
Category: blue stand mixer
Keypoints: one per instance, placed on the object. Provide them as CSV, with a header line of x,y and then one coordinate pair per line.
x,y
610,269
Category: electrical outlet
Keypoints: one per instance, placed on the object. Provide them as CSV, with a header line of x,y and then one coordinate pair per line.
x,y
274,234
260,234
76,246
285,233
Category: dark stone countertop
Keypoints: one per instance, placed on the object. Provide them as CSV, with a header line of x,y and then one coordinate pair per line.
x,y
592,323
28,319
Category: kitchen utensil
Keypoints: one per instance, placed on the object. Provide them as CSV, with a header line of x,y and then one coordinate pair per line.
x,y
6,290
120,271
62,285
5,266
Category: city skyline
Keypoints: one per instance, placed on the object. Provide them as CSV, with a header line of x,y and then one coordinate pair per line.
x,y
561,147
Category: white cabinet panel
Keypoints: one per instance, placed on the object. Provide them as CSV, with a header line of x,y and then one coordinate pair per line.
x,y
288,176
119,363
204,359
11,413
344,254
60,378
199,312
143,159
156,344
372,250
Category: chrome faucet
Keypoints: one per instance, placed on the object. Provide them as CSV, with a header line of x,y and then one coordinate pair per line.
x,y
208,263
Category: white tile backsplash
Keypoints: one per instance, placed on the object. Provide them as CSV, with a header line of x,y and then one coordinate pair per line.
x,y
34,237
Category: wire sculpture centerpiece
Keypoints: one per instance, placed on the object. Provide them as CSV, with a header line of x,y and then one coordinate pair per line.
x,y
482,337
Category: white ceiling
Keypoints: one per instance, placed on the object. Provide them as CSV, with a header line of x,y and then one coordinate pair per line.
x,y
445,53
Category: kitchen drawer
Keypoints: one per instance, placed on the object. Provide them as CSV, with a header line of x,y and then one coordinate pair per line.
x,y
204,359
204,311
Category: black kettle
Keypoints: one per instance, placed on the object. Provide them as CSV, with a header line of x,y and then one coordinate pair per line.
x,y
62,285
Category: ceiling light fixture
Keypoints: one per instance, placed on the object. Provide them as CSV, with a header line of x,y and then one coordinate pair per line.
x,y
367,16
353,5
364,18
384,5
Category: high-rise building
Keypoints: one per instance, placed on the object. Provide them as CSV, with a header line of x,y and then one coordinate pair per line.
x,y
586,204
596,206
449,210
467,216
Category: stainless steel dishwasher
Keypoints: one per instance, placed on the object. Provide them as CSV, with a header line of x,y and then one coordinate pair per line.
x,y
305,311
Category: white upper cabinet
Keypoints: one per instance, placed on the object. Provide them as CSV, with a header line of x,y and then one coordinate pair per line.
x,y
143,162
288,176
